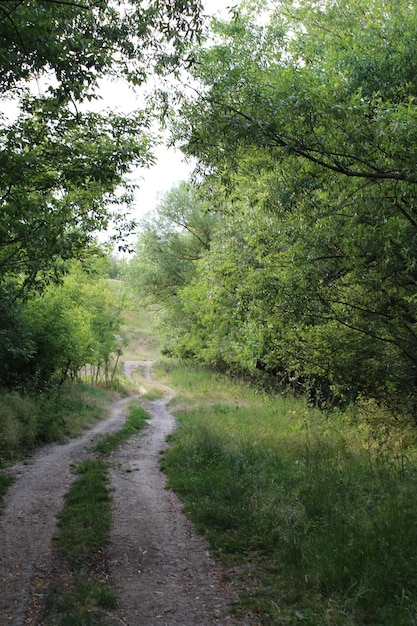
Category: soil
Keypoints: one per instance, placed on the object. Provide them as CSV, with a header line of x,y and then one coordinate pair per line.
x,y
161,569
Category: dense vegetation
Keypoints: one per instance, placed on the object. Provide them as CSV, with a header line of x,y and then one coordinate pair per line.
x,y
297,257
316,515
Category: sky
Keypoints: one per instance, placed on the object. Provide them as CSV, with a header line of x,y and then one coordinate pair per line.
x,y
170,167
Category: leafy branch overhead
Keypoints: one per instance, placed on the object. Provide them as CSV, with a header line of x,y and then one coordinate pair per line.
x,y
63,170
325,81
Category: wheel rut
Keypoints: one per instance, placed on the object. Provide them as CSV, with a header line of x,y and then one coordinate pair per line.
x,y
161,568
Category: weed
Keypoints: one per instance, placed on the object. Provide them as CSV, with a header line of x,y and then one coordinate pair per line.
x,y
5,482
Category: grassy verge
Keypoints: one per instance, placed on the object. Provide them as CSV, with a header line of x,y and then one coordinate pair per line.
x,y
320,514
84,595
27,421
30,420
5,482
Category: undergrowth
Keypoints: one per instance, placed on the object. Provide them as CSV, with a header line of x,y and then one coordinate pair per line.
x,y
320,513
28,420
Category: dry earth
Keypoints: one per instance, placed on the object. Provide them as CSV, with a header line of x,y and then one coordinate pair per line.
x,y
161,568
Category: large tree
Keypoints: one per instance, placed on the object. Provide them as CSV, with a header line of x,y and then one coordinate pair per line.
x,y
63,169
173,239
316,101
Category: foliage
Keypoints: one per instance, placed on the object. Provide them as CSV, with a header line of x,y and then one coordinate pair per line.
x,y
90,41
318,514
308,162
53,335
171,241
64,167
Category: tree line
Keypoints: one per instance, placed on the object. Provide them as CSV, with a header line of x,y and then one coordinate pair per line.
x,y
292,252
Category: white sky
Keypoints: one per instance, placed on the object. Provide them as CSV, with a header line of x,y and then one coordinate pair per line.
x,y
170,167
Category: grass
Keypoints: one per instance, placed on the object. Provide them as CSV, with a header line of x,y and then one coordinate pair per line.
x,y
84,522
27,421
86,603
320,516
5,481
142,344
84,594
136,421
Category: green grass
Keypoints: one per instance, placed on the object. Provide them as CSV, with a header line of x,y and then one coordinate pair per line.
x,y
86,602
84,522
136,421
84,596
27,421
136,328
5,481
320,516
153,394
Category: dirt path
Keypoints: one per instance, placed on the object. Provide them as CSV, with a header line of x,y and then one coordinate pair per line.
x,y
161,568
27,522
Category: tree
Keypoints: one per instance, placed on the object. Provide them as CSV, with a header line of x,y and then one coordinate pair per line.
x,y
170,244
63,169
54,335
330,138
172,239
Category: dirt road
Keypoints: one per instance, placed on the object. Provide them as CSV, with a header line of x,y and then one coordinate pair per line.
x,y
161,568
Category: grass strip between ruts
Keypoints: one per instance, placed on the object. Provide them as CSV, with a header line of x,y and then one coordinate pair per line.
x,y
84,593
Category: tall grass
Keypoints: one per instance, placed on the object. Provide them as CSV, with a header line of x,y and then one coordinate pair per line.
x,y
30,420
325,522
27,421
